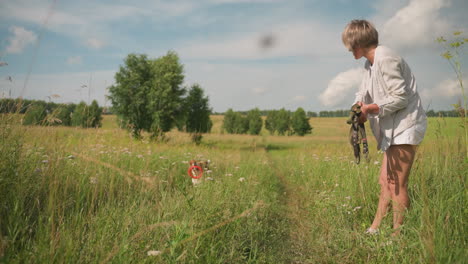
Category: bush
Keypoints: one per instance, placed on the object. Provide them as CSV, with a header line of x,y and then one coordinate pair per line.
x,y
300,123
35,115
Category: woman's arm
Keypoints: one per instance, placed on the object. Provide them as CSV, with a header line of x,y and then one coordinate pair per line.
x,y
395,85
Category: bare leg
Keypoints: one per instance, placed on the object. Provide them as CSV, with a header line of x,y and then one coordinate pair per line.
x,y
400,159
385,195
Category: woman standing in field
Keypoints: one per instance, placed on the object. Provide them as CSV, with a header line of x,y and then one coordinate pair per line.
x,y
389,99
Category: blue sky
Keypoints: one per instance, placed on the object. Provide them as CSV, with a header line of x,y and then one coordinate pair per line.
x,y
56,47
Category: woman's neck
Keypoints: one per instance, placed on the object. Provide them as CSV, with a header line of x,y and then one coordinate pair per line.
x,y
369,54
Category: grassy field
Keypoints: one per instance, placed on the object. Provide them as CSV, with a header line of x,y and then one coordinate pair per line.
x,y
71,195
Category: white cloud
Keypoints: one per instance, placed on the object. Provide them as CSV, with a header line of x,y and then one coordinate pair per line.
x,y
287,40
259,90
94,43
442,95
341,87
74,60
416,24
20,39
448,88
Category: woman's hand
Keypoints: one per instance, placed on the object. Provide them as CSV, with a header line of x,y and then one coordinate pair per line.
x,y
367,109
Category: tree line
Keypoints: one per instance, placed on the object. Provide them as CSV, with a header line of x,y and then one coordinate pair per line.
x,y
345,113
279,122
38,112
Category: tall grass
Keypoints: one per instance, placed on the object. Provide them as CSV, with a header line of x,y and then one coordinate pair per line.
x,y
98,196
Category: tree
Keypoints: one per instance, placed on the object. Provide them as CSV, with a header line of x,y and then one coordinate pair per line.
x,y
283,121
241,123
255,121
147,94
271,121
78,117
197,119
228,121
94,115
166,94
235,122
64,113
36,114
300,123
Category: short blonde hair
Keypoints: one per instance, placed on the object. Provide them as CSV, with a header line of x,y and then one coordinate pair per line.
x,y
360,34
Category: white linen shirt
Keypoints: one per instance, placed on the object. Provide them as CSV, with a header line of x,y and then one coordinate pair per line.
x,y
390,84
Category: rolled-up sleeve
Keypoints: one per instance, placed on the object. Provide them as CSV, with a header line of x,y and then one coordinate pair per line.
x,y
395,84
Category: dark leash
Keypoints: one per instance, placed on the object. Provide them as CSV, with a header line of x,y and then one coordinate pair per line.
x,y
357,134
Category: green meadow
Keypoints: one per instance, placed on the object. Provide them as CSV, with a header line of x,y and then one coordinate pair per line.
x,y
72,195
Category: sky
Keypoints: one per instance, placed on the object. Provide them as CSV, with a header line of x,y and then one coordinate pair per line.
x,y
269,54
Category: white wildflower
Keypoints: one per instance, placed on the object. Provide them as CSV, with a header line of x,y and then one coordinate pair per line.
x,y
348,197
45,161
93,180
209,179
376,163
357,208
154,253
228,174
242,179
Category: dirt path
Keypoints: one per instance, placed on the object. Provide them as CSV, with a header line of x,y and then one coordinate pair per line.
x,y
298,246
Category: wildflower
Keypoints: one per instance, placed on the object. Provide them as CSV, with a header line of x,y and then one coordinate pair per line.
x,y
93,180
237,167
356,208
242,179
70,157
228,174
376,163
348,197
154,253
185,162
45,161
209,179
140,156
209,171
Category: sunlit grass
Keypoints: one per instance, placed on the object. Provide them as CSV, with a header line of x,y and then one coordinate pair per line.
x,y
97,195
